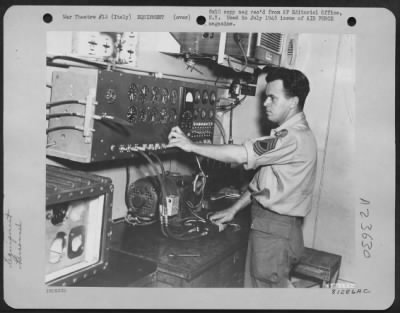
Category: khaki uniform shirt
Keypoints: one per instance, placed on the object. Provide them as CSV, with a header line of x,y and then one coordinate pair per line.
x,y
287,163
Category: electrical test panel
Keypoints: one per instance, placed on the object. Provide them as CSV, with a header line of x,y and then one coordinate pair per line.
x,y
78,224
97,115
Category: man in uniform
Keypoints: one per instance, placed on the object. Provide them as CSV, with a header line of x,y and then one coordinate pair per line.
x,y
280,193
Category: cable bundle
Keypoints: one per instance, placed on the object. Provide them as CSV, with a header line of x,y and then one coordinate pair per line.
x,y
188,228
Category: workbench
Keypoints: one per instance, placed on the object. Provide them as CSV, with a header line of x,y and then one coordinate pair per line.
x,y
123,271
212,261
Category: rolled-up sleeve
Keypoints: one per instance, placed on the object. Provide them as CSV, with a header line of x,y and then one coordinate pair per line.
x,y
269,150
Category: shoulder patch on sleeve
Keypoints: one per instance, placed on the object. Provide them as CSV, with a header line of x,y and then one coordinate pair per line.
x,y
282,133
262,146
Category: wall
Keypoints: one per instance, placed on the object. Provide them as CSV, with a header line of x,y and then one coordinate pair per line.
x,y
328,62
334,224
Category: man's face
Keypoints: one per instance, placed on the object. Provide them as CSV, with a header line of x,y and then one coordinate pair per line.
x,y
277,104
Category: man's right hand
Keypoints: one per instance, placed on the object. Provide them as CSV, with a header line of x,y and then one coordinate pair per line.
x,y
177,138
224,216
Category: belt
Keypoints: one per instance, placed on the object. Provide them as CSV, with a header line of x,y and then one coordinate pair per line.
x,y
259,211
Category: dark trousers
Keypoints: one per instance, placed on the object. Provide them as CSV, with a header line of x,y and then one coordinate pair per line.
x,y
275,245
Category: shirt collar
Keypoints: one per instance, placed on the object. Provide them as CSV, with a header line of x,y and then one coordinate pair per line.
x,y
295,119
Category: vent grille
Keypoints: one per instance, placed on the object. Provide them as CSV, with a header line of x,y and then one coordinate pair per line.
x,y
290,48
272,41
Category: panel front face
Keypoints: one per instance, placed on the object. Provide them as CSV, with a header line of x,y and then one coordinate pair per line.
x,y
148,108
128,112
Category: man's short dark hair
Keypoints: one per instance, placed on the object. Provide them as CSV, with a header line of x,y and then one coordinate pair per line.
x,y
295,83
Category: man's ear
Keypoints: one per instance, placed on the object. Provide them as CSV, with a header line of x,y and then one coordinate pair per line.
x,y
294,102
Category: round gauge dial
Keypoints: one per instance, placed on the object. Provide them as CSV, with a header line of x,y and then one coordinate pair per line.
x,y
213,98
205,97
156,94
203,114
154,116
164,95
174,96
142,115
111,95
164,115
133,92
132,114
197,97
145,92
196,113
211,114
173,115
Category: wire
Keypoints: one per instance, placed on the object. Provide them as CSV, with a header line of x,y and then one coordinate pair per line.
x,y
118,220
239,43
49,116
128,180
221,129
243,53
159,161
203,177
137,221
230,65
230,109
191,207
198,190
51,104
227,195
103,117
230,140
227,108
199,165
48,130
164,193
79,60
162,182
114,119
166,228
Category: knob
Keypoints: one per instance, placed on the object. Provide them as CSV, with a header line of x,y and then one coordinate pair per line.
x,y
122,148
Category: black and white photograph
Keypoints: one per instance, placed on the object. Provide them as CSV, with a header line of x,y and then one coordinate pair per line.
x,y
216,161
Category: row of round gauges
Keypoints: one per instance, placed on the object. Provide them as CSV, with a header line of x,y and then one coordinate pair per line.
x,y
203,98
163,95
153,115
155,94
199,113
163,115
